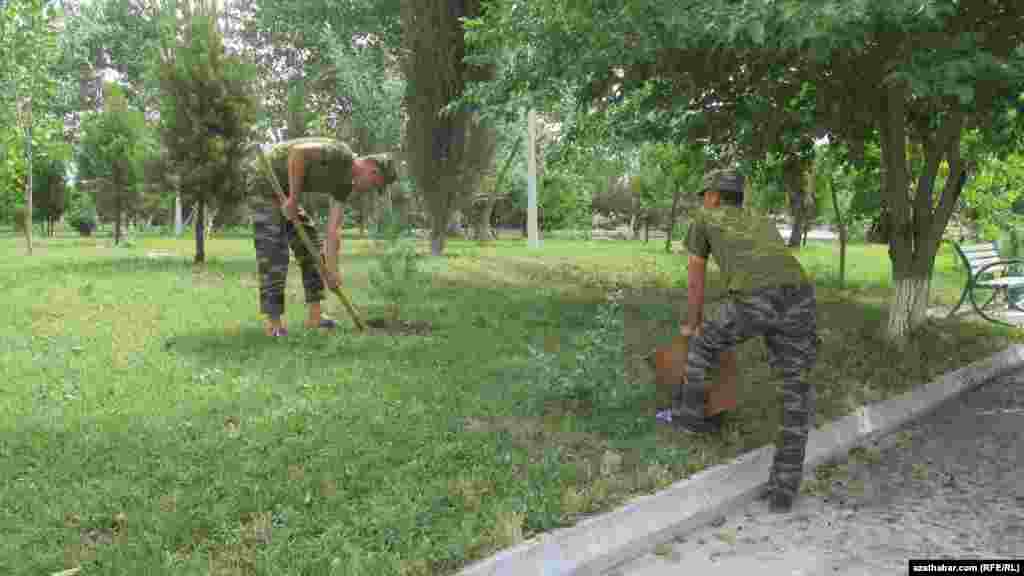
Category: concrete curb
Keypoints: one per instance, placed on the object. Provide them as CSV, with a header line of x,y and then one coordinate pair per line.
x,y
603,542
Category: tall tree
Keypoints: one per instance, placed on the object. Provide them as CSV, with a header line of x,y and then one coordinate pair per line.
x,y
208,113
114,144
50,190
448,147
28,45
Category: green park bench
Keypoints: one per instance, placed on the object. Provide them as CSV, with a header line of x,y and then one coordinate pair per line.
x,y
992,275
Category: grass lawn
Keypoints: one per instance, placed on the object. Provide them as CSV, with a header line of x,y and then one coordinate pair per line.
x,y
148,427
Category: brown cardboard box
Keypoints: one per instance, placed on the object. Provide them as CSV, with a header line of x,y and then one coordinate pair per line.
x,y
670,368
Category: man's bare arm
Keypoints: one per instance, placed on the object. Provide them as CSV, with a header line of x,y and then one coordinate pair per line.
x,y
697,268
333,248
296,171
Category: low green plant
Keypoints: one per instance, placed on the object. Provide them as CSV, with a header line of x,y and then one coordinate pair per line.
x,y
84,219
397,273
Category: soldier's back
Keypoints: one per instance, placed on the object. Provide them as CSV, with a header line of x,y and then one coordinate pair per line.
x,y
749,249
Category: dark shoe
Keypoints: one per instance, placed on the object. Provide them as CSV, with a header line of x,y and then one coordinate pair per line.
x,y
781,501
279,332
720,419
693,425
327,323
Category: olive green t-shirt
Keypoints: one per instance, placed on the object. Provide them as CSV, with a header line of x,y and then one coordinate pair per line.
x,y
331,174
747,248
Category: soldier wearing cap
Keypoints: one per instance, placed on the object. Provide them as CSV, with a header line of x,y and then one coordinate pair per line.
x,y
768,294
305,165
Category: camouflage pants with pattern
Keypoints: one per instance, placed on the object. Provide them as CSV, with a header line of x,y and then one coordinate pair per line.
x,y
786,317
274,235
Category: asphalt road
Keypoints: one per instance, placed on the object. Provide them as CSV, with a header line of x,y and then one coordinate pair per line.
x,y
948,486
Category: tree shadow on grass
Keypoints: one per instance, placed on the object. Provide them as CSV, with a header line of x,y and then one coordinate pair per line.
x,y
176,264
468,322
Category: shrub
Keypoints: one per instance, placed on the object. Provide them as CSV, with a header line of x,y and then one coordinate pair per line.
x,y
397,274
84,219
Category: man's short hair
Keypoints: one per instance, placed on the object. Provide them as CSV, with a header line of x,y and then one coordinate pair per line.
x,y
729,183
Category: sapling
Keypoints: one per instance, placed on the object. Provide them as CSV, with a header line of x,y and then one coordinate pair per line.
x,y
396,275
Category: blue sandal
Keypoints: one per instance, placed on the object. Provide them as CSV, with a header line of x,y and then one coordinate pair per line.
x,y
328,323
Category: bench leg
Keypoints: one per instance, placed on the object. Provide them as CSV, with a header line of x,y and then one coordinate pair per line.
x,y
980,309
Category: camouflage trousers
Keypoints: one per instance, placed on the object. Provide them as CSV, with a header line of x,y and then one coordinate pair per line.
x,y
786,317
274,235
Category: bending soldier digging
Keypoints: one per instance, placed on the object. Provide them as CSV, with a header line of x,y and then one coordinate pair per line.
x,y
320,165
769,294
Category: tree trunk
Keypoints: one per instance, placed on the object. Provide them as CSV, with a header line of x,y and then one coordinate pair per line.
x,y
915,222
794,188
672,221
908,306
117,207
200,220
178,224
841,224
483,221
484,233
647,230
28,186
438,238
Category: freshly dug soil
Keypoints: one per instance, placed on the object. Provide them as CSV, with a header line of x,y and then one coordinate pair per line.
x,y
403,327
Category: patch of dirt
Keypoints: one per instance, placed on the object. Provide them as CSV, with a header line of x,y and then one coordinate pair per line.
x,y
402,327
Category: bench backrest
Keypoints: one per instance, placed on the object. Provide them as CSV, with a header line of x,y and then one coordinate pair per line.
x,y
976,256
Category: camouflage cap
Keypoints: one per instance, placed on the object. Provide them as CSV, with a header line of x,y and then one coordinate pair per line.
x,y
722,180
386,164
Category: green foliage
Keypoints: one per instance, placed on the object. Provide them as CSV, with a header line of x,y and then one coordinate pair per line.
x,y
596,372
114,34
49,189
208,110
666,168
397,276
30,119
564,200
84,219
373,89
208,113
115,144
765,190
449,145
992,191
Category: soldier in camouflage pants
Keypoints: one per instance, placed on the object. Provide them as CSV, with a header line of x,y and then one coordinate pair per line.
x,y
311,165
770,296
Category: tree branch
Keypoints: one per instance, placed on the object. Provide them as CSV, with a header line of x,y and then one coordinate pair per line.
x,y
893,129
954,181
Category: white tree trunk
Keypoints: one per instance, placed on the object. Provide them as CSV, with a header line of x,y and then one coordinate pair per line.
x,y
28,187
178,224
533,238
907,309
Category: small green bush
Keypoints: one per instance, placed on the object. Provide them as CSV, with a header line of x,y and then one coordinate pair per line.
x,y
84,220
397,273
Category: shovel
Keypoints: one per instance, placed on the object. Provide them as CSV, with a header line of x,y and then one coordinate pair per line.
x,y
321,264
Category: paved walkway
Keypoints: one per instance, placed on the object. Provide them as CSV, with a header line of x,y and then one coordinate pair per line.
x,y
950,485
